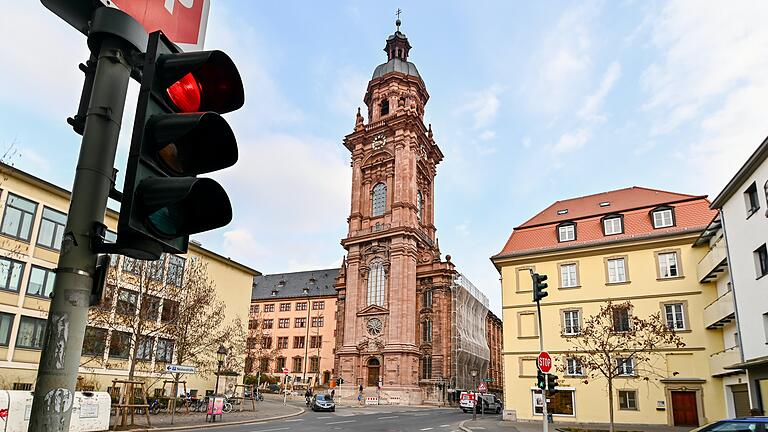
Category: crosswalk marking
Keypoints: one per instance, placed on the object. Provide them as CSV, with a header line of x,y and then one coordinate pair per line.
x,y
340,422
429,428
387,417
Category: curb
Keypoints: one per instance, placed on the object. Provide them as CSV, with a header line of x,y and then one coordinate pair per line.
x,y
213,425
462,427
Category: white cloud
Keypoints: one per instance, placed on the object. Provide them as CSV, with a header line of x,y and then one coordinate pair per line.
x,y
462,229
571,141
483,106
594,101
348,91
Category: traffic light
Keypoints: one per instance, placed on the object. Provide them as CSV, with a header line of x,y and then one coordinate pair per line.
x,y
552,383
340,380
178,134
541,380
539,286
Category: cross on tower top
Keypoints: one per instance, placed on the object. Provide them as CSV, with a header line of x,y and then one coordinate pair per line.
x,y
397,23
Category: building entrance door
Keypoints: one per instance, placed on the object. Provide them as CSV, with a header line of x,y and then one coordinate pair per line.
x,y
684,411
326,377
373,372
740,400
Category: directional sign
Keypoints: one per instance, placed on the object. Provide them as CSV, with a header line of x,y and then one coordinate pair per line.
x,y
285,370
180,369
487,379
544,362
482,387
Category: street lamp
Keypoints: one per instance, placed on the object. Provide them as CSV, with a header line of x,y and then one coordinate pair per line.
x,y
221,354
474,372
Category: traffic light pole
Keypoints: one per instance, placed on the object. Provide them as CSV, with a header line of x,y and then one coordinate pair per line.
x,y
65,329
545,424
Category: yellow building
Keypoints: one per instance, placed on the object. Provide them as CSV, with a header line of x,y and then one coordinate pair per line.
x,y
33,214
634,245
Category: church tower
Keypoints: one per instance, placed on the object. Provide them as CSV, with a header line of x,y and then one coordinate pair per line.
x,y
385,315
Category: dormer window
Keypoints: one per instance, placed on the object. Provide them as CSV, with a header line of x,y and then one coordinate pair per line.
x,y
566,232
613,225
663,217
562,212
384,107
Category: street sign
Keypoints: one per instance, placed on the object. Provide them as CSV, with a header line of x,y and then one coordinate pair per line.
x,y
285,370
482,387
487,379
544,362
180,369
183,21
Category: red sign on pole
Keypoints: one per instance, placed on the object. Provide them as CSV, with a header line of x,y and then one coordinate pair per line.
x,y
183,21
544,362
285,370
482,387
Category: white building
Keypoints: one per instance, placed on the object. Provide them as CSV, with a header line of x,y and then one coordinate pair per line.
x,y
743,204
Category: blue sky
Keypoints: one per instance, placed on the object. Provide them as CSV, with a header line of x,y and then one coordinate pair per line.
x,y
530,103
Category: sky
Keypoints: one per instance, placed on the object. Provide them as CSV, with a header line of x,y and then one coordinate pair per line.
x,y
531,102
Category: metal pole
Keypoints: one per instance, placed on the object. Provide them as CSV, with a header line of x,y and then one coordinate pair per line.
x,y
68,314
218,374
545,424
474,405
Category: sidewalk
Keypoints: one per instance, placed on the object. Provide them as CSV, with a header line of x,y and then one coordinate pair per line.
x,y
495,424
269,409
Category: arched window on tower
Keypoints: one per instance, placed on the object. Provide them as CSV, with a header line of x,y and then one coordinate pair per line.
x,y
384,107
419,206
378,199
376,283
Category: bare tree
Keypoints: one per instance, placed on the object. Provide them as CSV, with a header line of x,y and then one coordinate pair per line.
x,y
260,346
616,344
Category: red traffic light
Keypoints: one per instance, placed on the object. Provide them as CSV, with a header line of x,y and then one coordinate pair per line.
x,y
186,94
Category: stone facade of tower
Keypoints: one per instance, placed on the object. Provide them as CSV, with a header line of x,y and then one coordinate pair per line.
x,y
395,297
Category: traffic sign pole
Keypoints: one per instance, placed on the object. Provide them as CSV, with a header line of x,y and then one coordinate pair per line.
x,y
545,425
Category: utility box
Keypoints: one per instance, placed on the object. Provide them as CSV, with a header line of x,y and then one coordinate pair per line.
x,y
90,411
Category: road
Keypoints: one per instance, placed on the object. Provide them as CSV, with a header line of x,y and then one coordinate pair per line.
x,y
367,419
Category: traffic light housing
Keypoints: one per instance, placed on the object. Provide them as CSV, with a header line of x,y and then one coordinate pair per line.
x,y
178,134
539,286
552,383
541,380
340,380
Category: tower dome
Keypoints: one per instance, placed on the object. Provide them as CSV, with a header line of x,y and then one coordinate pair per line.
x,y
397,49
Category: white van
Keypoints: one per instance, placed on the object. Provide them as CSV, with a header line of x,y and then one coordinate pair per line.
x,y
490,403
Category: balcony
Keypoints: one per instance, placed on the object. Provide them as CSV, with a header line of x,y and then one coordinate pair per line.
x,y
713,262
720,360
720,312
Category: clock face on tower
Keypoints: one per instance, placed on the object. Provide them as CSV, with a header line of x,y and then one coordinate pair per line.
x,y
379,141
374,326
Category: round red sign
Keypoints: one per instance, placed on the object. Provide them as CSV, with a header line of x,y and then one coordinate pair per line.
x,y
285,370
544,362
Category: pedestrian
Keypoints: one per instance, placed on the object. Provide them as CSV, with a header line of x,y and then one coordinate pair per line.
x,y
308,395
333,393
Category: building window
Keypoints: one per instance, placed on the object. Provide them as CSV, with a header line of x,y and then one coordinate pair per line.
x,y
300,322
751,200
264,364
285,307
617,270
627,399
40,283
571,322
419,206
31,332
269,307
10,274
426,331
18,217
675,317
126,302
620,319
613,225
668,267
284,323
376,282
301,306
164,350
282,342
427,298
566,232
170,310
560,403
120,344
254,309
51,229
568,276
266,342
297,364
6,323
298,341
625,366
315,341
95,341
279,364
318,305
314,364
663,218
268,324
150,308
573,367
175,274
155,269
144,348
761,261
379,199
317,321
426,367
384,107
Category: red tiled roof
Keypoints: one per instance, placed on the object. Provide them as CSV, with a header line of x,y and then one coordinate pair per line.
x,y
692,213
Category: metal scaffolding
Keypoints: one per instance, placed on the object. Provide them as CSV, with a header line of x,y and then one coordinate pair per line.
x,y
471,351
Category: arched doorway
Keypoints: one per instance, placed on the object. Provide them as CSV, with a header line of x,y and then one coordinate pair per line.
x,y
374,367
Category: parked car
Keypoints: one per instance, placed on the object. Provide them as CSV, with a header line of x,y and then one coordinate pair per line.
x,y
743,424
490,403
322,402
